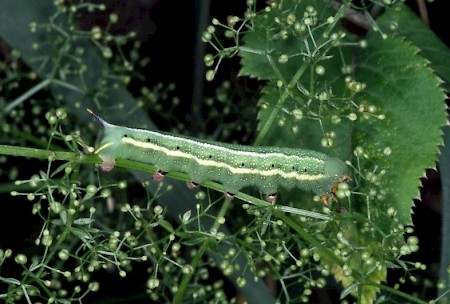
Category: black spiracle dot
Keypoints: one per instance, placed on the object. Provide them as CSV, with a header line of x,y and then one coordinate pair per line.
x,y
147,139
210,156
305,170
242,165
273,166
178,147
293,168
125,135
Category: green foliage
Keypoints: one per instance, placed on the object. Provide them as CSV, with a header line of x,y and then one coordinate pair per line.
x,y
374,102
408,93
377,97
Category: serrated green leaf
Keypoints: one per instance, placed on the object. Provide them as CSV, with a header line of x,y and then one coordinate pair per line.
x,y
405,143
400,85
401,21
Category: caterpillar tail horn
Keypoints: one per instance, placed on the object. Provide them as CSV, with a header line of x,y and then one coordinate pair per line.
x,y
100,120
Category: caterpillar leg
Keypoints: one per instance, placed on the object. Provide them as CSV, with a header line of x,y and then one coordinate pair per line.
x,y
325,198
229,196
271,198
107,165
192,185
158,175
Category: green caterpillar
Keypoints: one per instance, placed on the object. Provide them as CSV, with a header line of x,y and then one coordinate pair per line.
x,y
234,166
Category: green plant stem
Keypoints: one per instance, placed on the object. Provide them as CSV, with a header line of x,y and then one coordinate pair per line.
x,y
270,121
322,250
129,164
8,187
198,257
54,250
27,95
406,296
46,154
16,133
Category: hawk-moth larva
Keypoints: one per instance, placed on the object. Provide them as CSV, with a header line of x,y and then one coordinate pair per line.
x,y
234,166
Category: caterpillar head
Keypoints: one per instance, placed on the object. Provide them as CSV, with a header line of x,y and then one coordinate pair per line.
x,y
109,148
336,169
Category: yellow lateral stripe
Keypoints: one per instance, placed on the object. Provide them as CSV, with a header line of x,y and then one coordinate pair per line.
x,y
104,146
211,163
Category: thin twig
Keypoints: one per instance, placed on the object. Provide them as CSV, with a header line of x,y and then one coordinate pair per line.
x,y
423,12
353,16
